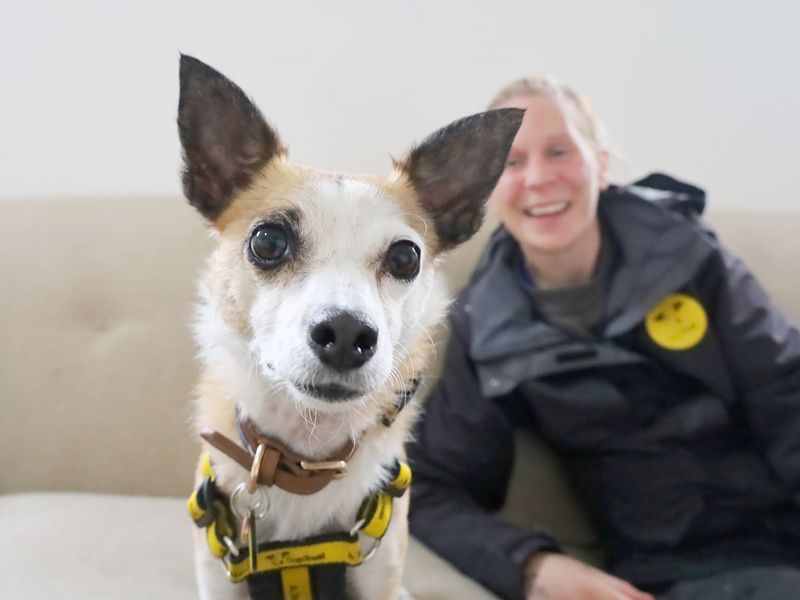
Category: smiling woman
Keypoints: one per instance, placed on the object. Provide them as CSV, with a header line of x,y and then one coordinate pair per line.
x,y
611,320
547,195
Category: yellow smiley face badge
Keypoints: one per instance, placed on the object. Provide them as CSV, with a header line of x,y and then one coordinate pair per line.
x,y
679,322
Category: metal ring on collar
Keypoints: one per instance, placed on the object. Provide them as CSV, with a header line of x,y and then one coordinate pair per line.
x,y
355,529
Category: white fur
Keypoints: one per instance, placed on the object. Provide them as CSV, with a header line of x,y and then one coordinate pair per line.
x,y
346,225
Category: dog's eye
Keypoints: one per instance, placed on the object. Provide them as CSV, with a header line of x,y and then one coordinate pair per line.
x,y
402,260
269,245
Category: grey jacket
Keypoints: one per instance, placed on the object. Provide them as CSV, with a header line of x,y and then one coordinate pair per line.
x,y
679,422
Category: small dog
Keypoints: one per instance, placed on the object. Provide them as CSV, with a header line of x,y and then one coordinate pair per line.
x,y
313,327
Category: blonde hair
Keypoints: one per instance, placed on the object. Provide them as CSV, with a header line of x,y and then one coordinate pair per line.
x,y
587,121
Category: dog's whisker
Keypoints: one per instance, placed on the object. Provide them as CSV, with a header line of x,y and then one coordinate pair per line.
x,y
312,433
407,355
397,372
353,435
393,378
432,342
310,423
397,379
359,413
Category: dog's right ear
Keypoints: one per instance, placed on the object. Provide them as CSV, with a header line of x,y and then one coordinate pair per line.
x,y
225,139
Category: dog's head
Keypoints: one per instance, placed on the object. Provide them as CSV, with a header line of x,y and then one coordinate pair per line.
x,y
328,279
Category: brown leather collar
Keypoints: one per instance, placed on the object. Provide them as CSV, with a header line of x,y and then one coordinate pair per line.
x,y
279,465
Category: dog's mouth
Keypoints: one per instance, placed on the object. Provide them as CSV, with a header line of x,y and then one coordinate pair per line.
x,y
332,392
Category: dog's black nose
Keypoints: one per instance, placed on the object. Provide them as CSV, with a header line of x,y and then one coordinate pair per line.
x,y
343,341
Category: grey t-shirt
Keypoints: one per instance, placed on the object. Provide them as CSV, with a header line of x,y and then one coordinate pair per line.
x,y
581,308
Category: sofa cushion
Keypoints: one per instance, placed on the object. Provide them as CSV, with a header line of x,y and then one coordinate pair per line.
x,y
61,545
96,360
95,546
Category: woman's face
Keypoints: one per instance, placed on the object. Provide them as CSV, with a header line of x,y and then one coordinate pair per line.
x,y
547,194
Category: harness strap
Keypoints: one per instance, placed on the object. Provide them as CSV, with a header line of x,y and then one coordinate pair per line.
x,y
293,561
400,474
331,549
296,583
326,582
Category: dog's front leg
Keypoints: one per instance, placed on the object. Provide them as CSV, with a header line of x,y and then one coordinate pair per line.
x,y
212,583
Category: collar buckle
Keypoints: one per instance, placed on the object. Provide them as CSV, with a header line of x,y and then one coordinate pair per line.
x,y
339,466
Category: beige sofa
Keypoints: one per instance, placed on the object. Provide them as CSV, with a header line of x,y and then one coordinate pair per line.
x,y
96,371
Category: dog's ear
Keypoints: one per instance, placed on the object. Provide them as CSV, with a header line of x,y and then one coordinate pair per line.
x,y
224,137
455,169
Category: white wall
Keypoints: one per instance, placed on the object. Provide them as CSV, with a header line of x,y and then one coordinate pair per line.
x,y
709,91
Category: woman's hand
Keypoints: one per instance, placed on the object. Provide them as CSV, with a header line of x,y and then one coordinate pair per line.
x,y
559,577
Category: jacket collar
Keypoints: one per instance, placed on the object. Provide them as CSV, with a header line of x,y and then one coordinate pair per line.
x,y
659,251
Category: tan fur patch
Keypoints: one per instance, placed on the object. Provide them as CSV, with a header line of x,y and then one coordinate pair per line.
x,y
271,187
398,186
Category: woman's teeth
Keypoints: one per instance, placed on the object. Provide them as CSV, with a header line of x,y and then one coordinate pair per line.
x,y
546,210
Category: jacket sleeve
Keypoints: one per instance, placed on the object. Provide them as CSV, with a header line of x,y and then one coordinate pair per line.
x,y
462,456
762,348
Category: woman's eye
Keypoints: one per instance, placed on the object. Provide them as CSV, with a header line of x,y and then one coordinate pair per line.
x,y
402,260
269,245
556,152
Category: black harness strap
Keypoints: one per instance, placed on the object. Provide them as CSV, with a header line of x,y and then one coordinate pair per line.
x,y
327,583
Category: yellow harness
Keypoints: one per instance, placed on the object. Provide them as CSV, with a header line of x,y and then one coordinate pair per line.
x,y
292,561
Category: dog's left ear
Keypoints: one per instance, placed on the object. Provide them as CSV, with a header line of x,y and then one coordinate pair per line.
x,y
455,169
225,139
